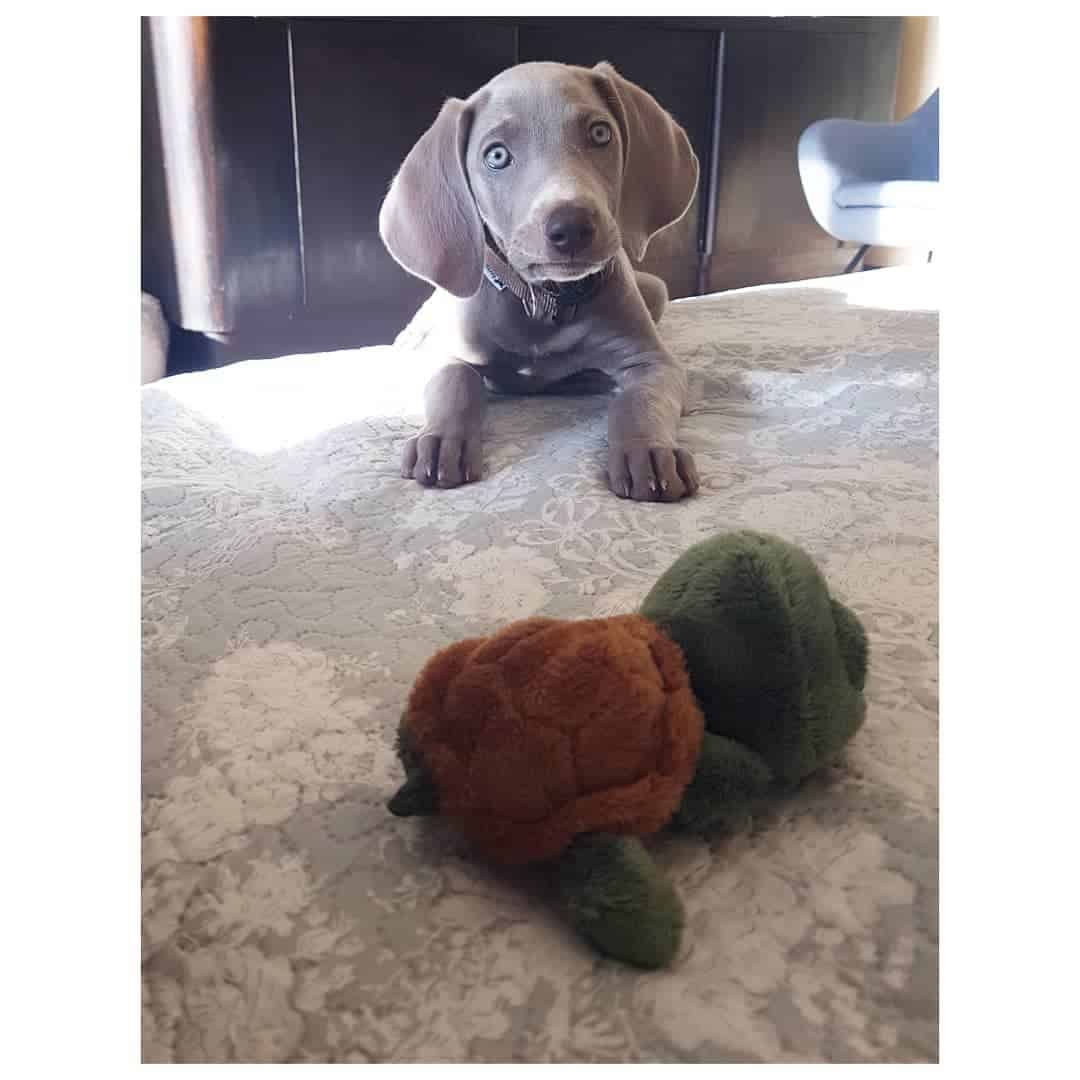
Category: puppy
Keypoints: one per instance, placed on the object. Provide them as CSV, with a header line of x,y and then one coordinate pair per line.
x,y
523,206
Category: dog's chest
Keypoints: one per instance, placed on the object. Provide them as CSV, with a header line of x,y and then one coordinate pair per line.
x,y
501,320
563,340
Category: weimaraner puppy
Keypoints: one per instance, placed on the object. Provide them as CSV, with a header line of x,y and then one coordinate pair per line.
x,y
523,205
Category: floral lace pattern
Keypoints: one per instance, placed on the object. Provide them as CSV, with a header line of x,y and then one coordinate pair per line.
x,y
293,585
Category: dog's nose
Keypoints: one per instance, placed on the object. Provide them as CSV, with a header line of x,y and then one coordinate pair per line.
x,y
570,230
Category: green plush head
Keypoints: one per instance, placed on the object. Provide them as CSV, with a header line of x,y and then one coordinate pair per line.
x,y
776,663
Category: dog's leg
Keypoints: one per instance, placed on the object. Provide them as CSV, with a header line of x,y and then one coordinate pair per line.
x,y
645,461
654,292
448,449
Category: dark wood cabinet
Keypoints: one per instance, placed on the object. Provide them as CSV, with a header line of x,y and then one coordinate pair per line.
x,y
255,162
313,115
365,90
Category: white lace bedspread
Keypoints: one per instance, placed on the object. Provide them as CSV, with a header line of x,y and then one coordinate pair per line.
x,y
293,586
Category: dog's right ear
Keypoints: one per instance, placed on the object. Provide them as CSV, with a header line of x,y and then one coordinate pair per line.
x,y
429,221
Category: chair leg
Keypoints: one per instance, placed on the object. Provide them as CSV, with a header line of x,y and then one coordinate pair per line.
x,y
857,259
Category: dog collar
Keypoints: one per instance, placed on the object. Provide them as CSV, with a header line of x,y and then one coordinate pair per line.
x,y
554,302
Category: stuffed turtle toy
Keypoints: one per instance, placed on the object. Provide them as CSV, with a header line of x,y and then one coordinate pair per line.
x,y
565,742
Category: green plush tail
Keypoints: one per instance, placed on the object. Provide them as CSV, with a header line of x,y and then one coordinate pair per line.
x,y
618,900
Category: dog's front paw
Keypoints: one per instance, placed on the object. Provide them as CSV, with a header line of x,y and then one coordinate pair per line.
x,y
444,461
652,473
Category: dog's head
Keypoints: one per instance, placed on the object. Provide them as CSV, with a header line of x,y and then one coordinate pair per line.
x,y
561,165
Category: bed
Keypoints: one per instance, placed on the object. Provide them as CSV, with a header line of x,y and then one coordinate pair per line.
x,y
293,585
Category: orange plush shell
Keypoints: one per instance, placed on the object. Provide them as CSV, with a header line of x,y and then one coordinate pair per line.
x,y
550,729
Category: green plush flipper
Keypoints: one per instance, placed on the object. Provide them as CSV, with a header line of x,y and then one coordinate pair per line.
x,y
618,900
728,781
775,663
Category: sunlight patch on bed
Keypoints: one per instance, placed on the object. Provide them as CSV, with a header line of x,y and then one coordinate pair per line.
x,y
894,288
269,405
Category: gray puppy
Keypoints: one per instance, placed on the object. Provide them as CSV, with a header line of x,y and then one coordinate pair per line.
x,y
523,206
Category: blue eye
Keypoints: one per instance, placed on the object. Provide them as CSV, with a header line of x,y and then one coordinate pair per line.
x,y
600,133
497,157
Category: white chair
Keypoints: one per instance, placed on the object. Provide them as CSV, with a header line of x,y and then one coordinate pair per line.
x,y
874,183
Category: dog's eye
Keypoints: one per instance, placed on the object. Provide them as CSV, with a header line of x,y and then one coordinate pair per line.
x,y
600,133
497,157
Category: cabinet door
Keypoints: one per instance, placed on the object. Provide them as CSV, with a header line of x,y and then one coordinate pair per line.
x,y
776,83
256,170
677,68
365,91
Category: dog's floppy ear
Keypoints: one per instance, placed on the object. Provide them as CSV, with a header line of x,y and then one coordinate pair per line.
x,y
429,221
660,169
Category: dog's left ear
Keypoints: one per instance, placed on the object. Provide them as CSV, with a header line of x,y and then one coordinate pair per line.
x,y
660,168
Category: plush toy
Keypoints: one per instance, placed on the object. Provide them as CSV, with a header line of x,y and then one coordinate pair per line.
x,y
564,742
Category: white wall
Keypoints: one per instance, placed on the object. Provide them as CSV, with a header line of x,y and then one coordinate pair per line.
x,y
918,75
